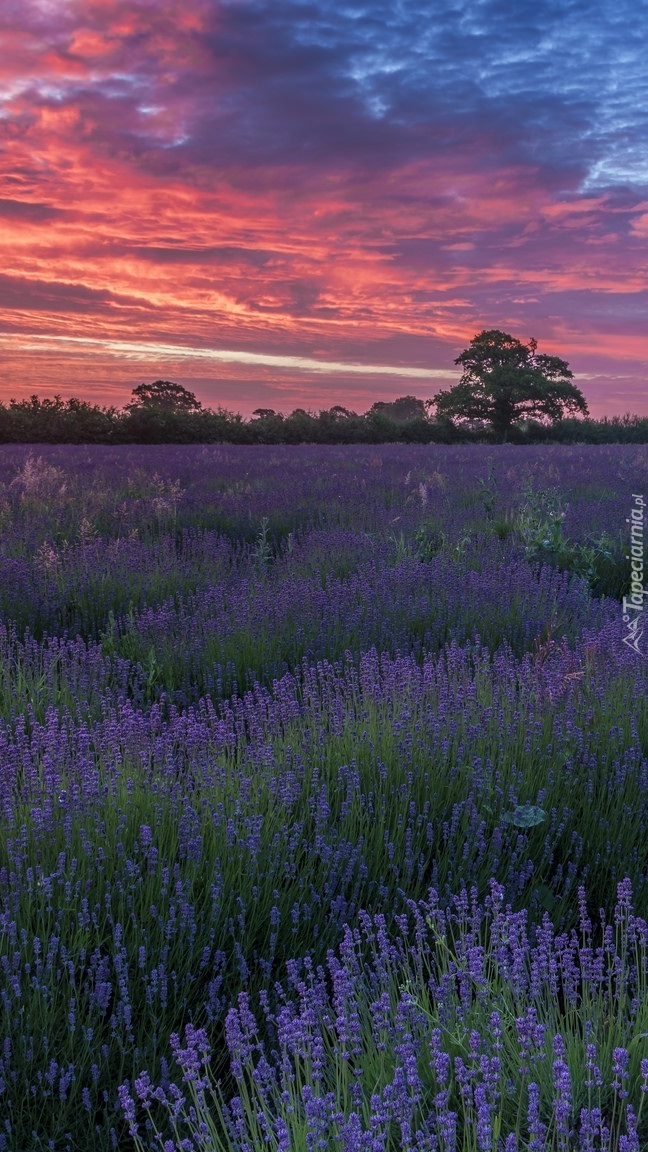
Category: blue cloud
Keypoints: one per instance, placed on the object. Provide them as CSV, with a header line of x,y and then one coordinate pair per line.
x,y
557,85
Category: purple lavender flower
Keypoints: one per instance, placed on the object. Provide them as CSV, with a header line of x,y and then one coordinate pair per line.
x,y
446,1125
590,1123
440,1060
624,901
620,1070
531,1037
537,1130
562,1101
484,1119
144,1088
593,1078
630,1143
128,1107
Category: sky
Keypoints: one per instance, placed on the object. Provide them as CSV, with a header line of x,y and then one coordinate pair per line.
x,y
301,203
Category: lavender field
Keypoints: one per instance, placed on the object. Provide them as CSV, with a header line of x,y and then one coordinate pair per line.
x,y
324,778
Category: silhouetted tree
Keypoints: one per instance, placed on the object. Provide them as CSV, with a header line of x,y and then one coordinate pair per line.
x,y
165,395
505,381
267,426
300,427
403,410
56,421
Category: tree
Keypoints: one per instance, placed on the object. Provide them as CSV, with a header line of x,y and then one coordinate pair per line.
x,y
267,426
505,381
164,395
401,410
266,414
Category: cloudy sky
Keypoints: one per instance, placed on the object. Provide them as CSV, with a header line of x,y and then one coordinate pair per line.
x,y
287,203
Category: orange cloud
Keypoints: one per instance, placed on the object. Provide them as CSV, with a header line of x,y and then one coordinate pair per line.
x,y
142,199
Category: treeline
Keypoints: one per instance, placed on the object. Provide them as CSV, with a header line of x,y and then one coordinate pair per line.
x,y
58,421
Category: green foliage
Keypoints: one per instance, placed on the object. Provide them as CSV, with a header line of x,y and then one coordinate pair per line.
x,y
488,492
57,421
429,540
263,552
503,526
540,525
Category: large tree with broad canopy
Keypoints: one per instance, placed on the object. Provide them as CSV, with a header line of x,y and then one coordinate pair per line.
x,y
165,395
505,381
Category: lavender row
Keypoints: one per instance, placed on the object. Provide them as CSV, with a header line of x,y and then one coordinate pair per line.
x,y
250,697
90,531
224,638
220,640
459,1031
157,862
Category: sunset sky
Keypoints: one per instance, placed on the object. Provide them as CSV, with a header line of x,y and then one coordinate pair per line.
x,y
286,203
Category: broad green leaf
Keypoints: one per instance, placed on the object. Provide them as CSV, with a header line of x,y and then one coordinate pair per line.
x,y
546,897
525,816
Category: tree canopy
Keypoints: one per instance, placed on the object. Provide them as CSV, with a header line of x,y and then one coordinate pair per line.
x,y
165,395
401,410
56,421
505,381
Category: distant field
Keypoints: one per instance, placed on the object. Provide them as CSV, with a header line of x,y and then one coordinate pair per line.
x,y
323,770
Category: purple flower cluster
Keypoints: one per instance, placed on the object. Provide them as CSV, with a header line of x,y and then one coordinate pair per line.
x,y
360,1055
254,705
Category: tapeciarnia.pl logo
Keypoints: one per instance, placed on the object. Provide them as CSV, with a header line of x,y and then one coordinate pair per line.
x,y
633,605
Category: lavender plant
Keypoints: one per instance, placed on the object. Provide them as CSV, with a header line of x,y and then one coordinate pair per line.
x,y
216,771
459,1031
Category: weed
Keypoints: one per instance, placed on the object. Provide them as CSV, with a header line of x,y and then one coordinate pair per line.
x,y
540,525
263,548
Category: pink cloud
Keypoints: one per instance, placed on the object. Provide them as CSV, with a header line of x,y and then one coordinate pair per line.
x,y
213,174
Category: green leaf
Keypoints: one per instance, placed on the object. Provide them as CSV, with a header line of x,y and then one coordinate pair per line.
x,y
525,816
546,897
